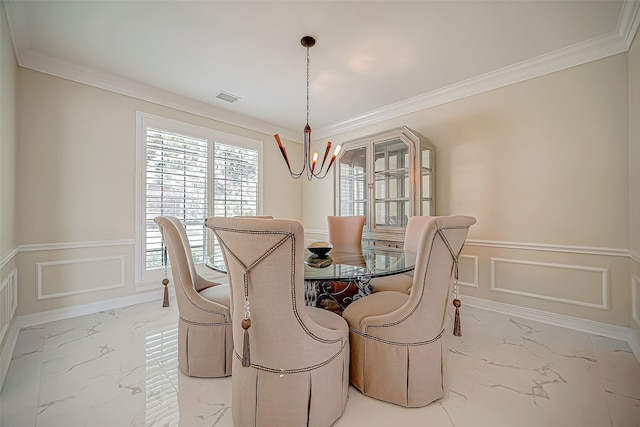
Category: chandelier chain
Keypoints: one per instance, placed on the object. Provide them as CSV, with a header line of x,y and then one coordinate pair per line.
x,y
308,84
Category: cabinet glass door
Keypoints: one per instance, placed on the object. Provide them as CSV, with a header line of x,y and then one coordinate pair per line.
x,y
392,165
426,170
388,177
353,181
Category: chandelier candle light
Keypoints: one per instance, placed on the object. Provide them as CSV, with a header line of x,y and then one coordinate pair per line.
x,y
309,162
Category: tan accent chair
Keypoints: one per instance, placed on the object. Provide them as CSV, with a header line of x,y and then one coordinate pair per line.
x,y
295,370
402,282
345,233
205,340
396,338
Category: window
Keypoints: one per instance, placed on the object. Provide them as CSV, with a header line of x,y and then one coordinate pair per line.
x,y
190,172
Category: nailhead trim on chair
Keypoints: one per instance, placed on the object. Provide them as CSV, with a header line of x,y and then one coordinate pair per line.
x,y
193,303
190,322
288,236
293,371
399,344
421,299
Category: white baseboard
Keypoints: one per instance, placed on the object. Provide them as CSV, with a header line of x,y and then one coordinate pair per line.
x,y
575,323
81,310
634,343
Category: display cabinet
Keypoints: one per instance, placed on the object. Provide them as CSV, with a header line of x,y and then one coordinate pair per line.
x,y
386,177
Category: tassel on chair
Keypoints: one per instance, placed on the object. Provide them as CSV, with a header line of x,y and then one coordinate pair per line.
x,y
246,356
457,329
165,302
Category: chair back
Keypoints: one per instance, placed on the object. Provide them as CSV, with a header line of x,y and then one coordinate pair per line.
x,y
413,232
205,346
265,268
345,232
422,317
183,269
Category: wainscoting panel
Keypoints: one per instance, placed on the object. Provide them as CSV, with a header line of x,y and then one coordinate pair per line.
x,y
468,270
635,298
553,282
8,301
74,276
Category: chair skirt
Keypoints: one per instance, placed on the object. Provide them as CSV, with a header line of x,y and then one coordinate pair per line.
x,y
407,375
314,398
200,353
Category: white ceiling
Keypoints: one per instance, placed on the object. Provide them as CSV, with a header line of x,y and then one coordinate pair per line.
x,y
372,60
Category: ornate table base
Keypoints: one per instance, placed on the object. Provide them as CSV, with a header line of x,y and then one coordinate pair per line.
x,y
335,295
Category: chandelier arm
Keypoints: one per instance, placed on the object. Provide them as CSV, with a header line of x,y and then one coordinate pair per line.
x,y
326,153
283,151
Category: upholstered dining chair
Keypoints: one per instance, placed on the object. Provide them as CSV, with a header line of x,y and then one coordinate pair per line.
x,y
345,233
402,282
205,340
291,362
396,338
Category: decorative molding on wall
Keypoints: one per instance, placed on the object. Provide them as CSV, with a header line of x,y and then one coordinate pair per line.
x,y
5,319
588,250
8,301
474,260
603,272
9,257
40,275
575,323
75,245
635,296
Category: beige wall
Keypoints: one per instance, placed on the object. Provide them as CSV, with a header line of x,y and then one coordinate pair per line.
x,y
546,166
543,166
8,246
7,138
76,164
634,179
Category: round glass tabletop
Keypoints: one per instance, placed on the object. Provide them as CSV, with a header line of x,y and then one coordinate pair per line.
x,y
371,262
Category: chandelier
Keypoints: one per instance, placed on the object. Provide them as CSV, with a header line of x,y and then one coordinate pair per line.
x,y
309,161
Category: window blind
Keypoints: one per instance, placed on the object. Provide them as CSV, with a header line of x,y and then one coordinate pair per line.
x,y
235,180
176,185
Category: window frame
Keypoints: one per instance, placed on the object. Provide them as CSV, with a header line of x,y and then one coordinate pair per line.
x,y
149,278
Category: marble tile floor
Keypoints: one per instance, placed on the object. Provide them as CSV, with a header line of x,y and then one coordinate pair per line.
x,y
118,368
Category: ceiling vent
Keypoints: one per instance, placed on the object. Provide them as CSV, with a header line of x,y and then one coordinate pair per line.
x,y
227,97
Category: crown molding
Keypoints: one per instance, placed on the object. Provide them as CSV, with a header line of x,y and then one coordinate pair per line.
x,y
561,59
578,54
91,77
629,21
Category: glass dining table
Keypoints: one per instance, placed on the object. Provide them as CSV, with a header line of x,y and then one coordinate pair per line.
x,y
334,281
